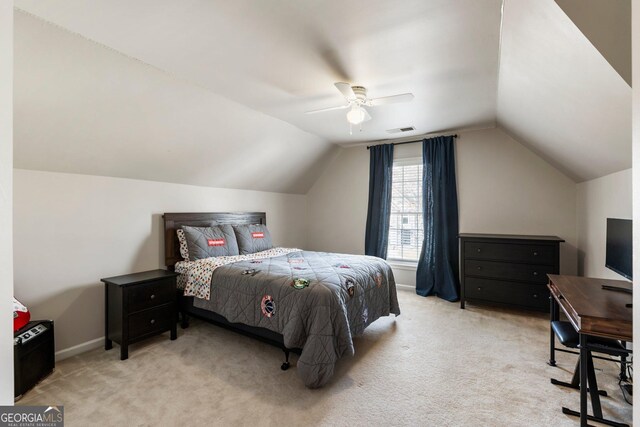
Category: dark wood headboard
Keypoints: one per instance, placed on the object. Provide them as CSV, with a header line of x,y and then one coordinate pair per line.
x,y
173,221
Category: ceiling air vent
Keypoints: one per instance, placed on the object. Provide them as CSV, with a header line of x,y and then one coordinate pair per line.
x,y
401,130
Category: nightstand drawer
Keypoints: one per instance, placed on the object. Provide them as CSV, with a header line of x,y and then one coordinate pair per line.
x,y
150,294
151,321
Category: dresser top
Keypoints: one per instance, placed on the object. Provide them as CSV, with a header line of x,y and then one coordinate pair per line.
x,y
510,237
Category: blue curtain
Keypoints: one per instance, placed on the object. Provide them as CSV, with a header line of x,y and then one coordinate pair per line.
x,y
378,213
437,272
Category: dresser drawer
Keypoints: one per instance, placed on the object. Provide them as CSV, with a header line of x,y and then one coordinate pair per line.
x,y
535,254
504,270
520,294
151,321
151,294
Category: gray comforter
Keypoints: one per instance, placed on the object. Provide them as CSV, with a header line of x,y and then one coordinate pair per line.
x,y
345,295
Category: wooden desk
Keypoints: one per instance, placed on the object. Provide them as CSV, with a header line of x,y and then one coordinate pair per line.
x,y
592,311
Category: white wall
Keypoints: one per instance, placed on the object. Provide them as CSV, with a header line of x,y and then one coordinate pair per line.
x,y
599,199
71,230
6,190
502,188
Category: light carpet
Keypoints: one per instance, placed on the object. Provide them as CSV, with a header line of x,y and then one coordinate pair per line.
x,y
435,365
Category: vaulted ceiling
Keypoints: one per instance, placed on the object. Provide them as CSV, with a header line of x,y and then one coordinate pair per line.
x,y
213,92
559,95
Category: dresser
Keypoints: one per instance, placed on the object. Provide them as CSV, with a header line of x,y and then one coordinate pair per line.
x,y
508,270
138,306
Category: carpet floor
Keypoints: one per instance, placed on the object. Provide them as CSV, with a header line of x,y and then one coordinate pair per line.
x,y
435,365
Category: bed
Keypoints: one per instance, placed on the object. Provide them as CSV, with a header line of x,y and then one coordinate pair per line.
x,y
345,294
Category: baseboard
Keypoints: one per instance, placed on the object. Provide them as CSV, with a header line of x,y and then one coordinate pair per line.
x,y
80,348
98,342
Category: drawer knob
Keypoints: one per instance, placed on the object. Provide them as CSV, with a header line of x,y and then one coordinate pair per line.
x,y
479,250
153,296
535,254
479,288
153,321
535,273
535,295
479,268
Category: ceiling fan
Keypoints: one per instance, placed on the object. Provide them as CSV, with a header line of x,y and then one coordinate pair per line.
x,y
357,99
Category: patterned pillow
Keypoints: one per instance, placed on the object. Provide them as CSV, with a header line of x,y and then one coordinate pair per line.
x,y
207,242
184,249
252,238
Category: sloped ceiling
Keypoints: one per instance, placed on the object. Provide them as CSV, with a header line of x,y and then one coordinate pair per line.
x,y
213,92
607,25
82,108
559,95
282,57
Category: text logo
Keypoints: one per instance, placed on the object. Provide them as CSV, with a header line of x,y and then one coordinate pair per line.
x,y
215,242
31,416
258,235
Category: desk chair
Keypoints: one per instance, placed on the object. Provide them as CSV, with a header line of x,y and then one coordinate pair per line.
x,y
570,338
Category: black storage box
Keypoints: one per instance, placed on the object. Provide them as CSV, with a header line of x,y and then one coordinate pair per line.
x,y
33,354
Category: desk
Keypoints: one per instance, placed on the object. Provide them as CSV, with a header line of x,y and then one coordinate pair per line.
x,y
592,311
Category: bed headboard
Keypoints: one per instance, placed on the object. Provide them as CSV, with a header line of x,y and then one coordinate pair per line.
x,y
173,221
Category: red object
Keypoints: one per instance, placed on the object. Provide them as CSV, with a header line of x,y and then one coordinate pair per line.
x,y
21,315
257,235
215,242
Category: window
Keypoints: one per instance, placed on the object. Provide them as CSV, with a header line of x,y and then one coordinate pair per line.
x,y
405,228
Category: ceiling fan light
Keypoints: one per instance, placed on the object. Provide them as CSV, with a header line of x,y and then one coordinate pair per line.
x,y
356,115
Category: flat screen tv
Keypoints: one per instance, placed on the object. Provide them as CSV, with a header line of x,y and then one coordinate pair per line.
x,y
619,246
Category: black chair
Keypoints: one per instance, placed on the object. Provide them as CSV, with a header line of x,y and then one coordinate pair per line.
x,y
570,338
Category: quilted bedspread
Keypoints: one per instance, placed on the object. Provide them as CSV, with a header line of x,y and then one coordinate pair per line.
x,y
346,293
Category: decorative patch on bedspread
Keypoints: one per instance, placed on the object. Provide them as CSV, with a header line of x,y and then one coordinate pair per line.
x,y
195,276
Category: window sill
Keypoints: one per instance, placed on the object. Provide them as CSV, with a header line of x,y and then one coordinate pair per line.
x,y
403,265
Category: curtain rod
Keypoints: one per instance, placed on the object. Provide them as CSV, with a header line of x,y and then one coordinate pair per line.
x,y
410,142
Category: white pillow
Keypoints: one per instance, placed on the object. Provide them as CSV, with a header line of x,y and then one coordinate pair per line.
x,y
184,249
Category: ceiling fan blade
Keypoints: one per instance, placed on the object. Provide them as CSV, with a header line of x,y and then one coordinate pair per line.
x,y
367,116
322,110
404,97
345,90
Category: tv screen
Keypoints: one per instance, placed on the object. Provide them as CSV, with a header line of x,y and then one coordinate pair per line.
x,y
619,246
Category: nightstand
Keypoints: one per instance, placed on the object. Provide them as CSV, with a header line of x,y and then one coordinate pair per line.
x,y
138,306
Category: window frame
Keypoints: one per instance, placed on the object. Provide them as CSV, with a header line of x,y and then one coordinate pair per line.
x,y
403,162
